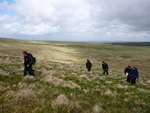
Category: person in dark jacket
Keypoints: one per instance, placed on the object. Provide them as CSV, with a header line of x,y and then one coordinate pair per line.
x,y
88,65
28,63
105,68
134,75
128,73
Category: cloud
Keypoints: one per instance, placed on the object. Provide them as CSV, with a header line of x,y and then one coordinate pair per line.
x,y
107,18
131,12
67,15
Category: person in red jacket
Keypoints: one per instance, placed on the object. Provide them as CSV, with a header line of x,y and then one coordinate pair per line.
x,y
127,72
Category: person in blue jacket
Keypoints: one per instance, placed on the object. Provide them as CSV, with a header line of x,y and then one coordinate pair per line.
x,y
134,75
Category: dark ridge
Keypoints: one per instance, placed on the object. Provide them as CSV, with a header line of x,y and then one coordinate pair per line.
x,y
2,38
132,43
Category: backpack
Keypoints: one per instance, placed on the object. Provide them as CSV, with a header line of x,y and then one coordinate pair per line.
x,y
33,59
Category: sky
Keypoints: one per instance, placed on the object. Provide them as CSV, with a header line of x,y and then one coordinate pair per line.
x,y
76,20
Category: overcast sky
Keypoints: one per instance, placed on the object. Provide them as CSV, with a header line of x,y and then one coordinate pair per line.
x,y
76,20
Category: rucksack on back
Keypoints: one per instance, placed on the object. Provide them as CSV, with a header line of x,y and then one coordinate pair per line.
x,y
33,59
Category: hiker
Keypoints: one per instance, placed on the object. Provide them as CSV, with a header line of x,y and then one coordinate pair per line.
x,y
88,65
134,75
128,72
29,61
105,68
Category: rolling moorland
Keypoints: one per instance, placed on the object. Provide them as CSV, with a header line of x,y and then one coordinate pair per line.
x,y
62,84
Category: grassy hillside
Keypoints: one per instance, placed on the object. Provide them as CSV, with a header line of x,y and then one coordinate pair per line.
x,y
62,85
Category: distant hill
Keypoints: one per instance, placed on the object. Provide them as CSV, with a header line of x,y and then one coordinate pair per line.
x,y
132,43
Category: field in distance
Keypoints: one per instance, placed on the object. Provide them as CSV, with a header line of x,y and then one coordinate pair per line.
x,y
61,83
